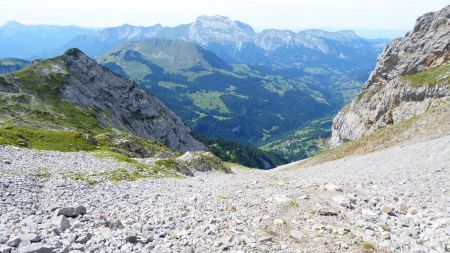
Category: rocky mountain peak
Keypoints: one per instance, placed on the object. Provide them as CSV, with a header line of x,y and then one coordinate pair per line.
x,y
271,39
411,76
74,79
74,53
425,47
221,22
220,29
12,23
432,21
214,19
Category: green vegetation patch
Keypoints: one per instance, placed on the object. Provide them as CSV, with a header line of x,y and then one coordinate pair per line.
x,y
42,172
47,87
171,85
292,204
166,164
316,70
43,139
369,93
366,246
121,158
136,70
305,142
209,101
82,177
277,85
218,117
215,162
120,174
132,174
430,77
82,118
222,197
138,170
248,156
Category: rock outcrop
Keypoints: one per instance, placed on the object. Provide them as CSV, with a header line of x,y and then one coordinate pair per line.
x,y
130,108
411,76
192,162
74,79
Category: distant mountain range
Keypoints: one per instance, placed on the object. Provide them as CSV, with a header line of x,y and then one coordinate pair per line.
x,y
216,99
233,41
36,41
8,65
221,77
236,42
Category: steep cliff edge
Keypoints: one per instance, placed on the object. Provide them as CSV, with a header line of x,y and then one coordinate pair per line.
x,y
412,75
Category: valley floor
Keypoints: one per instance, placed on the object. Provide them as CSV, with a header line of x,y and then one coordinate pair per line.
x,y
394,200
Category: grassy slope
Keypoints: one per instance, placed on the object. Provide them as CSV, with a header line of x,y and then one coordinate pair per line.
x,y
209,101
39,104
304,142
37,118
430,77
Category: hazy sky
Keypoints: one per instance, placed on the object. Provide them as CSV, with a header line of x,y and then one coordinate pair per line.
x,y
364,15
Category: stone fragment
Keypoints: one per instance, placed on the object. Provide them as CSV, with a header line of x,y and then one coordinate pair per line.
x,y
36,248
278,222
13,241
328,212
368,213
32,237
295,234
188,249
265,239
85,238
130,236
61,223
114,224
343,201
4,238
303,197
332,187
72,211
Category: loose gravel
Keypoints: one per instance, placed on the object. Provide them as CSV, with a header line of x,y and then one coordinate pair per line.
x,y
394,200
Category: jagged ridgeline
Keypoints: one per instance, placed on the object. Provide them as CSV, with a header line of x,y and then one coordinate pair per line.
x,y
71,103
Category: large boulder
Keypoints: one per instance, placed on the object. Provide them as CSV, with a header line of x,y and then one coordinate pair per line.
x,y
192,162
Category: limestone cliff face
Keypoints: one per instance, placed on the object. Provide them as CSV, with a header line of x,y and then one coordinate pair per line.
x,y
411,75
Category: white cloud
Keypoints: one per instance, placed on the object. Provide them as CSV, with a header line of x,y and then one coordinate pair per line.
x,y
288,14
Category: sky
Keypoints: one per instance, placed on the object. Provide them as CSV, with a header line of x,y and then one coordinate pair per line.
x,y
369,17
